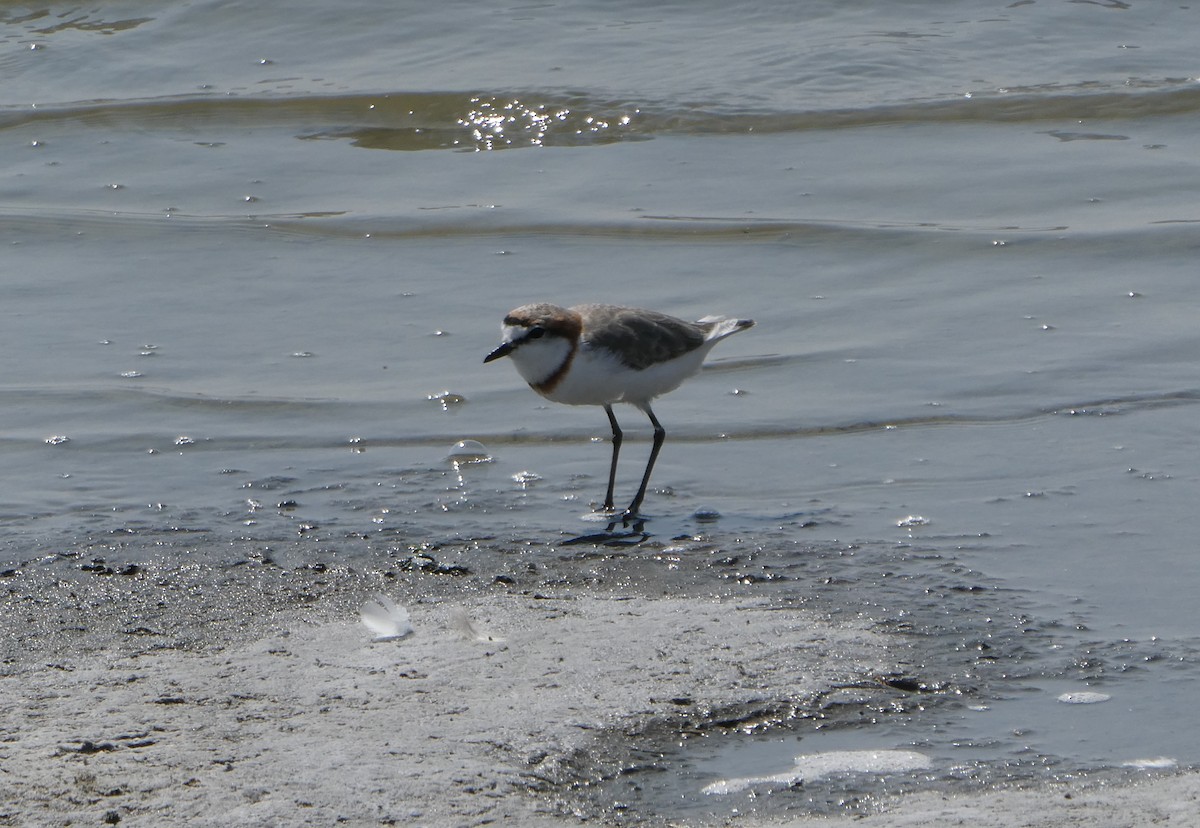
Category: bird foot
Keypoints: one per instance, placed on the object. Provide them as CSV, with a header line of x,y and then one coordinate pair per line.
x,y
628,519
627,528
625,518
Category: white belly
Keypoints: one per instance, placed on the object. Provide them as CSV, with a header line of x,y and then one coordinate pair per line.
x,y
595,378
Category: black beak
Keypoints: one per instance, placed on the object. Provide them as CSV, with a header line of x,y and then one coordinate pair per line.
x,y
504,350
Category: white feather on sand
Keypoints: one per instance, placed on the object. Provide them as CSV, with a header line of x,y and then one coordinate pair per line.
x,y
462,624
386,619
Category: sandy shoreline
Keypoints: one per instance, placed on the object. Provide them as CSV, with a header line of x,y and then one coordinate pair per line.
x,y
279,714
317,723
252,695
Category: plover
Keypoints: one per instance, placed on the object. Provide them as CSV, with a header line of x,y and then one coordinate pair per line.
x,y
604,354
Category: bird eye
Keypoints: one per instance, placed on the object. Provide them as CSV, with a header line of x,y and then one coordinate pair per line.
x,y
536,332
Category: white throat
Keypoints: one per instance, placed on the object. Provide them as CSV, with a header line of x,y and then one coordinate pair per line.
x,y
537,360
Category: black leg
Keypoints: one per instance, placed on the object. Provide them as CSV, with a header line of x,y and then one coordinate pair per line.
x,y
612,470
660,434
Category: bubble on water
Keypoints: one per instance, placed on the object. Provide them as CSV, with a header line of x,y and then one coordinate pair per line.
x,y
184,440
469,451
57,440
912,521
447,399
131,374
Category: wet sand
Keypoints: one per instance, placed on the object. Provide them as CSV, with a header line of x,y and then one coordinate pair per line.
x,y
158,696
1173,801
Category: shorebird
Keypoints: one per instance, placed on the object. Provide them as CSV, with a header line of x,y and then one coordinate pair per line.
x,y
605,354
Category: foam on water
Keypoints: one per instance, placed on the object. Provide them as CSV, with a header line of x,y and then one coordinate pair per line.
x,y
811,767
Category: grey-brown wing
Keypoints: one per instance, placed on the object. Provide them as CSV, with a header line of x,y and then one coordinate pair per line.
x,y
641,338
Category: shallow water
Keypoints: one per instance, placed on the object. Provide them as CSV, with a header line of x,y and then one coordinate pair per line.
x,y
247,256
